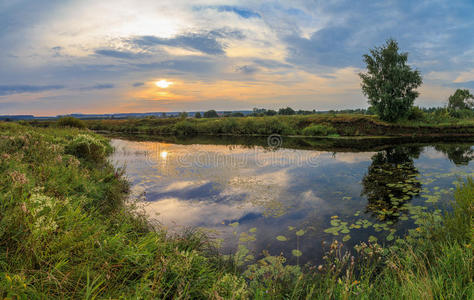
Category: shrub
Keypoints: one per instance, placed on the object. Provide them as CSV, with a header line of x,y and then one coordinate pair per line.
x,y
318,129
211,114
88,147
184,128
416,114
71,122
462,113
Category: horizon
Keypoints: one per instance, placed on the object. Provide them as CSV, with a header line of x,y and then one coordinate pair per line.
x,y
61,57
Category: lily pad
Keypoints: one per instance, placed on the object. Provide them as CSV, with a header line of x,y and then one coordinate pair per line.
x,y
300,232
296,252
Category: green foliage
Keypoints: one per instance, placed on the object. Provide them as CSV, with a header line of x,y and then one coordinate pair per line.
x,y
88,147
389,82
286,111
237,114
71,122
416,114
318,130
184,127
197,115
58,242
461,99
211,114
270,112
183,115
437,121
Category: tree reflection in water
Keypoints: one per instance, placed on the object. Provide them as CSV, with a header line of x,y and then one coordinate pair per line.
x,y
391,181
459,154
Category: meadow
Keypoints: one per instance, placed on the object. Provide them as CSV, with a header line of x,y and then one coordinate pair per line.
x,y
69,230
333,125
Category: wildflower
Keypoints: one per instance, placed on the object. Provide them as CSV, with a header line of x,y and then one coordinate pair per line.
x,y
23,207
18,178
73,162
356,282
320,268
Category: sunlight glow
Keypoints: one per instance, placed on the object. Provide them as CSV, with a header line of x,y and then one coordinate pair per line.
x,y
164,154
163,83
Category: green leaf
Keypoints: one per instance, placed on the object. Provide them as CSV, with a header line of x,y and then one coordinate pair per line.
x,y
346,238
300,232
296,252
281,238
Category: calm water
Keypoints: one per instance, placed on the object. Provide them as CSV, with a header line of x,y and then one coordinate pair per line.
x,y
264,195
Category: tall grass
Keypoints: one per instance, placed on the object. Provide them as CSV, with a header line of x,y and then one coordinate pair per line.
x,y
309,125
67,232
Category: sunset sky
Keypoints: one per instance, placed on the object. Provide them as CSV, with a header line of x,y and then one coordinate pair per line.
x,y
110,56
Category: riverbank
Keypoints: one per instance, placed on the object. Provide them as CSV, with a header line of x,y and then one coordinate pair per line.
x,y
333,125
67,233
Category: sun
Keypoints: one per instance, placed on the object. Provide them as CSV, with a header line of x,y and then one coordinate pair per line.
x,y
164,154
163,83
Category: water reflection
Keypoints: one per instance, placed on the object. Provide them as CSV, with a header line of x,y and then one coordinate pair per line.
x,y
460,154
249,194
391,181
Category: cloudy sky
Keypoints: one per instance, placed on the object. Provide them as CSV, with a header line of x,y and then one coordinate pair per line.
x,y
108,56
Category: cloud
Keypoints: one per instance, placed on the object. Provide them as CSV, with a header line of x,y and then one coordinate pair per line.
x,y
247,69
100,86
243,12
118,54
189,65
18,89
271,64
327,47
137,84
466,84
205,42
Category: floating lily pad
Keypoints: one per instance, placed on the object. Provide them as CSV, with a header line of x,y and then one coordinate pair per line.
x,y
300,232
281,238
296,252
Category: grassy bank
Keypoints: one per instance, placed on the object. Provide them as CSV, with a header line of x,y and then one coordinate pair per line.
x,y
302,125
65,232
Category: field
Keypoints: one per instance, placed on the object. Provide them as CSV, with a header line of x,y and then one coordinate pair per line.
x,y
68,229
298,125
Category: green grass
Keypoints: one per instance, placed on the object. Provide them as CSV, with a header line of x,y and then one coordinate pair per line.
x,y
302,125
67,231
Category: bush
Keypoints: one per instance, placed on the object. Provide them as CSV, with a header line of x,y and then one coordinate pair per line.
x,y
416,114
317,129
89,148
462,113
185,128
211,114
71,122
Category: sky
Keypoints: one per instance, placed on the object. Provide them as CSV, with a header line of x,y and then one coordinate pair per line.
x,y
115,56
